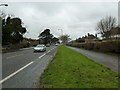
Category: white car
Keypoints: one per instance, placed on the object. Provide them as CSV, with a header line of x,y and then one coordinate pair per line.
x,y
40,48
56,44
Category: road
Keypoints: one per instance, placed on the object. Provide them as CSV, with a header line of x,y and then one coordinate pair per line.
x,y
22,69
104,59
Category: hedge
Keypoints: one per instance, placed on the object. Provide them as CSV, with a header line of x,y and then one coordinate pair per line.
x,y
106,46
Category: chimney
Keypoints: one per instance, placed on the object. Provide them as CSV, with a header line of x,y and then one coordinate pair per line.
x,y
88,34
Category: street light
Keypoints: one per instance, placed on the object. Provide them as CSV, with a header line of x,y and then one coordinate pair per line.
x,y
3,4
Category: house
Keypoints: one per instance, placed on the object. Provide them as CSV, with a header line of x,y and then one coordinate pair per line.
x,y
31,42
113,34
90,38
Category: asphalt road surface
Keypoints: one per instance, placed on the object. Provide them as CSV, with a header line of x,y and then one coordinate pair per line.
x,y
104,59
22,69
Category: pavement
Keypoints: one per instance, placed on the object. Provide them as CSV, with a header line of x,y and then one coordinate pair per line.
x,y
109,61
22,68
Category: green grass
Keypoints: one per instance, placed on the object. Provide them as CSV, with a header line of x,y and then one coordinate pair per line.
x,y
70,69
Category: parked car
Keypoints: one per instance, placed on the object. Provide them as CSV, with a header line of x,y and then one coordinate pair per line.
x,y
40,48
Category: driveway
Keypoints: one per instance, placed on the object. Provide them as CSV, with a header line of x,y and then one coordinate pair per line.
x,y
104,59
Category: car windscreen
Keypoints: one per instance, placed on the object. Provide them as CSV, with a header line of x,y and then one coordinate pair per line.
x,y
40,46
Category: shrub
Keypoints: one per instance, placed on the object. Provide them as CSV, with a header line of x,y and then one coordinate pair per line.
x,y
106,46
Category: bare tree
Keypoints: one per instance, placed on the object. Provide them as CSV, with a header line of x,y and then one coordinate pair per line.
x,y
64,38
105,25
2,14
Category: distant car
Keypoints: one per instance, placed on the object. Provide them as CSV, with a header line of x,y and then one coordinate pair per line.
x,y
40,48
56,44
48,45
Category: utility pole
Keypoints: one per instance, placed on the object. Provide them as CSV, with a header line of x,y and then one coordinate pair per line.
x,y
1,45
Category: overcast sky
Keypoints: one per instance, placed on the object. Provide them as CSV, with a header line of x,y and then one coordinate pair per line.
x,y
75,19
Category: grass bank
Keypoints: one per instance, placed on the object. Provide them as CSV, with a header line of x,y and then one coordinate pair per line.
x,y
70,69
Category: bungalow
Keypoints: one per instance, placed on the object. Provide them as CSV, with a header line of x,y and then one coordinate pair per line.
x,y
90,38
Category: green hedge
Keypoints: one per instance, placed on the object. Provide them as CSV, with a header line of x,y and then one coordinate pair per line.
x,y
107,46
16,46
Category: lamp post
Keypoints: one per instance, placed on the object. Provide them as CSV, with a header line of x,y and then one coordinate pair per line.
x,y
61,31
1,45
61,34
3,4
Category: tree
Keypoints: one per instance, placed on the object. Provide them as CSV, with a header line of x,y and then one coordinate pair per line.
x,y
65,38
12,30
105,25
80,40
46,36
55,40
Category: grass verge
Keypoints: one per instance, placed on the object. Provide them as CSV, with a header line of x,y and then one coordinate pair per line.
x,y
70,69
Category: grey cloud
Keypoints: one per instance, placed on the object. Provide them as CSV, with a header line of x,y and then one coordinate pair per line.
x,y
76,19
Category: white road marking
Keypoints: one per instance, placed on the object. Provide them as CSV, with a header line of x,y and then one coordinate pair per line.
x,y
46,53
14,56
50,50
11,75
42,55
53,48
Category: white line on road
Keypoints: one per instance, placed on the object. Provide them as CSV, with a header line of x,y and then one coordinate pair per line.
x,y
49,51
11,75
14,56
53,48
46,53
42,55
